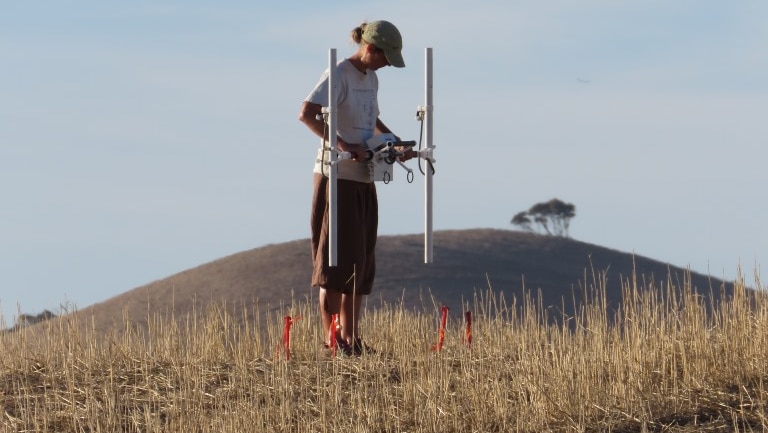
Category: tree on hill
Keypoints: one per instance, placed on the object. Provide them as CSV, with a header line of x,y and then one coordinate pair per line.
x,y
552,217
24,320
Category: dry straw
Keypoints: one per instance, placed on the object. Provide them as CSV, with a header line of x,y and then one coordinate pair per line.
x,y
665,360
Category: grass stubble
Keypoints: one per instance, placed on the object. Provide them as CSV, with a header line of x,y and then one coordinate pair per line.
x,y
666,360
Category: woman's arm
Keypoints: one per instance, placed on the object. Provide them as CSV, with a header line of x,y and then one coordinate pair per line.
x,y
309,116
381,128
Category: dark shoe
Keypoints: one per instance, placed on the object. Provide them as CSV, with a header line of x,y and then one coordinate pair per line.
x,y
343,347
359,347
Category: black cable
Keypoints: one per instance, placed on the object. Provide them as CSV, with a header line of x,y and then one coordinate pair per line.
x,y
421,136
322,155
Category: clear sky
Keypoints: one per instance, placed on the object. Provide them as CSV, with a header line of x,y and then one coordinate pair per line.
x,y
143,138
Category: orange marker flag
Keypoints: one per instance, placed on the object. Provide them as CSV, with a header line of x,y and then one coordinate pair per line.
x,y
441,333
332,332
287,335
468,331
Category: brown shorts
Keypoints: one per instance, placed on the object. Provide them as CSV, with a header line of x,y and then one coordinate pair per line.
x,y
357,213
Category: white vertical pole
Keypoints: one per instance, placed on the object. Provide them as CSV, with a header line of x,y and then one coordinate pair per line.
x,y
332,169
428,109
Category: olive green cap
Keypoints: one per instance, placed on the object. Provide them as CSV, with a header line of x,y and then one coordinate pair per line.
x,y
385,36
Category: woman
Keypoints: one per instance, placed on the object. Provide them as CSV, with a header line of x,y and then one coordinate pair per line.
x,y
341,287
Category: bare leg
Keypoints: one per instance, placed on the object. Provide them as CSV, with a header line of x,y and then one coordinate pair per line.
x,y
349,317
330,304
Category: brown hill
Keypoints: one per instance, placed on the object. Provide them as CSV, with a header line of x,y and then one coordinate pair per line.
x,y
261,280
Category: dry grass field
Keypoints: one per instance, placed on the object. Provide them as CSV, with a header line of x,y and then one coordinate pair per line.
x,y
666,360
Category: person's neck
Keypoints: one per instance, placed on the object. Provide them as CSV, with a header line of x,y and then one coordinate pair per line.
x,y
357,62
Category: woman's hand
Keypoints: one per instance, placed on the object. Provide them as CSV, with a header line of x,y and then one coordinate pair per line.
x,y
358,151
407,152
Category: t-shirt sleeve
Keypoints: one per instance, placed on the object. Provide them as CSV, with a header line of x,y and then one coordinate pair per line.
x,y
319,95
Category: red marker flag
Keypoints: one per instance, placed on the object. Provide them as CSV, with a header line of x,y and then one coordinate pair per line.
x,y
332,331
287,335
468,331
441,332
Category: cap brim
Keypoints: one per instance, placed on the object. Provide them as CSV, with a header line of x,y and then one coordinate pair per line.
x,y
395,58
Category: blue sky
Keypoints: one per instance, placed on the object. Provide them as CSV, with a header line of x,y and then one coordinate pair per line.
x,y
138,140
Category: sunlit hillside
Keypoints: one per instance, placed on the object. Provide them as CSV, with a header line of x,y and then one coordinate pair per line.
x,y
253,284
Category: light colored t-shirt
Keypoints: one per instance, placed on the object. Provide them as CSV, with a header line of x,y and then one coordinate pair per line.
x,y
358,109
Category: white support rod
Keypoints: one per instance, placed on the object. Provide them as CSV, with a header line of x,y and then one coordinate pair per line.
x,y
332,169
428,110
